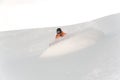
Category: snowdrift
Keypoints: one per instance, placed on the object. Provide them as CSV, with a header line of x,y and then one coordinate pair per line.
x,y
73,42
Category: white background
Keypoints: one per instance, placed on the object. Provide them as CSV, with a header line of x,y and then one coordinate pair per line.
x,y
24,14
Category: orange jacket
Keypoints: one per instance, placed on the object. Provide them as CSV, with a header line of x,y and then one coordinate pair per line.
x,y
60,35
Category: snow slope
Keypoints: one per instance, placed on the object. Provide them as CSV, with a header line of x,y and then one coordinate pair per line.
x,y
91,53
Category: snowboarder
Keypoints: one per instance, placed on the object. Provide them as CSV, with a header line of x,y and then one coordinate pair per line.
x,y
60,33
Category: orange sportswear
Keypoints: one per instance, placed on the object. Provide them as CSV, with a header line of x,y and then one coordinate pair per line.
x,y
60,35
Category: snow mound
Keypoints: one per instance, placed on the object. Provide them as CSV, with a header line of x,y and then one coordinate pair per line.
x,y
75,42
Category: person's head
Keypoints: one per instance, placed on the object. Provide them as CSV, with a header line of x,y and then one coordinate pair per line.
x,y
59,30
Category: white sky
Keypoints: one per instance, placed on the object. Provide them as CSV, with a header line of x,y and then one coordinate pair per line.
x,y
21,14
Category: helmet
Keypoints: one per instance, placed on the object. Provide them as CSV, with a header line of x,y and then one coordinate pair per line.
x,y
59,30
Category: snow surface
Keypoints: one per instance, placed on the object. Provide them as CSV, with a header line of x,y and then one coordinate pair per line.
x,y
73,43
91,53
